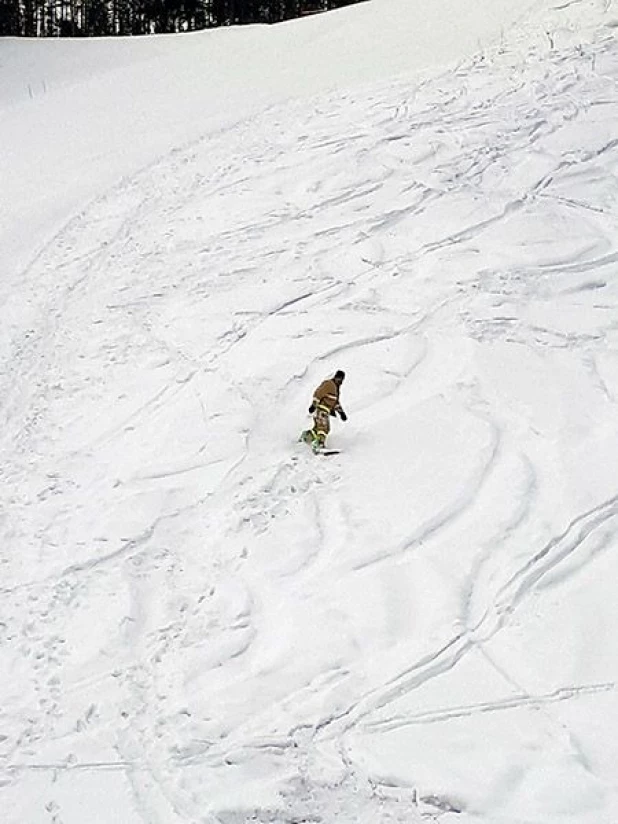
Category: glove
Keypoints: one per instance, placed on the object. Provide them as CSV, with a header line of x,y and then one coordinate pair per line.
x,y
311,409
343,415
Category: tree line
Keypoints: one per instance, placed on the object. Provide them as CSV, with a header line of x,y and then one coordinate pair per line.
x,y
101,18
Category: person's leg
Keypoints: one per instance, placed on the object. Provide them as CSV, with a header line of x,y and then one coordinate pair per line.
x,y
321,428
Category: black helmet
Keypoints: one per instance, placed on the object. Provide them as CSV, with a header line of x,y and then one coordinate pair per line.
x,y
339,375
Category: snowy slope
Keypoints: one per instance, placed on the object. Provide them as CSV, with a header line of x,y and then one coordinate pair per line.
x,y
78,115
201,621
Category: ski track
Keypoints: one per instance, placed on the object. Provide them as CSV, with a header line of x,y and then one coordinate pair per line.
x,y
204,653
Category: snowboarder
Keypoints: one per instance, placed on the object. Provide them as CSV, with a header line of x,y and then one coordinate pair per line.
x,y
324,404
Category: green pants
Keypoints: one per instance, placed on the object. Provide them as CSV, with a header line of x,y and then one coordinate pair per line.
x,y
321,424
321,427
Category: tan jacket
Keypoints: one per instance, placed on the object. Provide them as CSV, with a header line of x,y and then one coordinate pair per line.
x,y
327,395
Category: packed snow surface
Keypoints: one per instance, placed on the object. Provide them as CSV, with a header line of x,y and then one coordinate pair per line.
x,y
202,622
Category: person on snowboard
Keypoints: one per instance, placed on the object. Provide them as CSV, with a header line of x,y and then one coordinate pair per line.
x,y
324,404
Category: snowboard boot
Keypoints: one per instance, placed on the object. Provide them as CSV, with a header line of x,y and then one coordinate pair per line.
x,y
317,444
